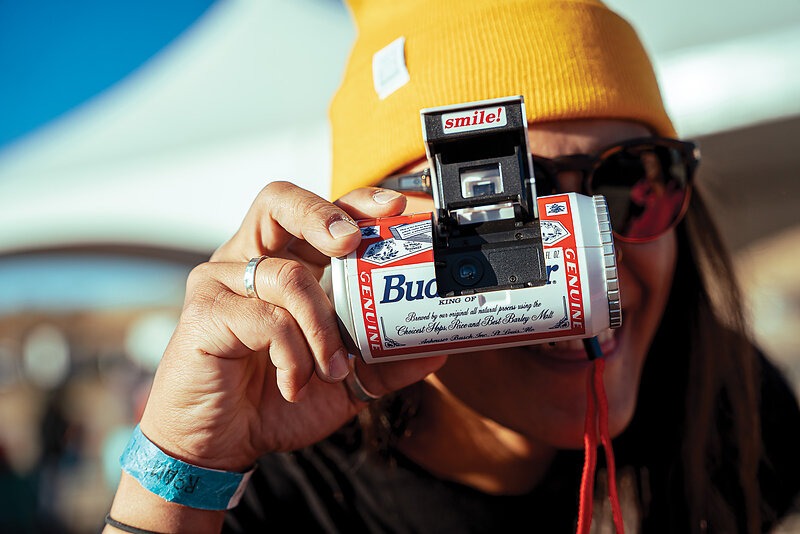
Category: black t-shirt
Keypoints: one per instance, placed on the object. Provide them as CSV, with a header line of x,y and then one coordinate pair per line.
x,y
333,487
339,486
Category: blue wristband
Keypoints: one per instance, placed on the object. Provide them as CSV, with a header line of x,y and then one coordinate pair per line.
x,y
179,482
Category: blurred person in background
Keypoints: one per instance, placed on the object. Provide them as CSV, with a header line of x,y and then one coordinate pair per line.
x,y
704,426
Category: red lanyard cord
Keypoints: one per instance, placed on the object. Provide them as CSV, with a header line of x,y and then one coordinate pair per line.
x,y
589,459
596,416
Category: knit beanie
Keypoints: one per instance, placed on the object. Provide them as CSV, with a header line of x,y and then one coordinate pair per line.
x,y
569,59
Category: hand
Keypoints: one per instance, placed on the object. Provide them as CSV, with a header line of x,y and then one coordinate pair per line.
x,y
245,376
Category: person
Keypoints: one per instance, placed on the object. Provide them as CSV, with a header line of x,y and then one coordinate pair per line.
x,y
704,427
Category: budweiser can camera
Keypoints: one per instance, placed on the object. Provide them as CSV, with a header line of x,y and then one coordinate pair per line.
x,y
386,297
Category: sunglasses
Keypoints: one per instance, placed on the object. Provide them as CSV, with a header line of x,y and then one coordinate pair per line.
x,y
646,182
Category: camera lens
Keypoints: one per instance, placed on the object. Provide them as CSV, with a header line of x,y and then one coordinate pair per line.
x,y
468,272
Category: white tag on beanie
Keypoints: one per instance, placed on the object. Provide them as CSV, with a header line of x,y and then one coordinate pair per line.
x,y
389,72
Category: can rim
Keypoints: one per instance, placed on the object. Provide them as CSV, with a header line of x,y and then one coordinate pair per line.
x,y
609,261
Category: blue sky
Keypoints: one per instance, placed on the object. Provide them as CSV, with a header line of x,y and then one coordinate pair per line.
x,y
54,55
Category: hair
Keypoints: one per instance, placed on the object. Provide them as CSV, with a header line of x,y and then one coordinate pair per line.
x,y
714,371
722,387
699,390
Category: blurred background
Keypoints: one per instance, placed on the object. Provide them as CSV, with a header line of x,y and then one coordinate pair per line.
x,y
134,135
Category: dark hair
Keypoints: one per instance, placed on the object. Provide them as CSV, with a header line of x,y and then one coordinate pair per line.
x,y
722,428
697,409
698,398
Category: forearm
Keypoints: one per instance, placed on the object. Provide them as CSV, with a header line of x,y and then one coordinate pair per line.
x,y
135,506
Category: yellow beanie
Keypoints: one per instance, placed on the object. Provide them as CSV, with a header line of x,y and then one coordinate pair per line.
x,y
570,59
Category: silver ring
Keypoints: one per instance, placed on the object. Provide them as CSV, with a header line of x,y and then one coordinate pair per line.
x,y
357,389
250,276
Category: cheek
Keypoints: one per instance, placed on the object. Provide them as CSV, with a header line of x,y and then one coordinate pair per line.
x,y
646,271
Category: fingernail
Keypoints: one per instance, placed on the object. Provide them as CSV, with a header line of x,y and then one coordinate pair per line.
x,y
384,196
341,228
337,367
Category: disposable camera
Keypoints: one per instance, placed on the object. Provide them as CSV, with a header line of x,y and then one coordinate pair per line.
x,y
493,265
486,231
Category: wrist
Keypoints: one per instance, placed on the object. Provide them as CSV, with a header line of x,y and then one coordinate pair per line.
x,y
179,482
201,447
136,506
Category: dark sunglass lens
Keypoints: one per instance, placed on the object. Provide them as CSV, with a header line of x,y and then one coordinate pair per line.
x,y
645,189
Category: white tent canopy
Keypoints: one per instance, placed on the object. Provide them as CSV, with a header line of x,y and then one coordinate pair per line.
x,y
174,154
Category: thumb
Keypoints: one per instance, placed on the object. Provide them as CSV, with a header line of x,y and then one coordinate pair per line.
x,y
372,202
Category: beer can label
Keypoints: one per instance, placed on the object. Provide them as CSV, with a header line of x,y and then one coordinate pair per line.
x,y
394,310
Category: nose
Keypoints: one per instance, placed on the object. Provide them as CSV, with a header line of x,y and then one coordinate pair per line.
x,y
563,182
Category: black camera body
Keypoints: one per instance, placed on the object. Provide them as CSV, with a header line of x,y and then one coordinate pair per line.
x,y
486,230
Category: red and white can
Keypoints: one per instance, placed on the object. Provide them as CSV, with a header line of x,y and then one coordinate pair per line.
x,y
385,291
